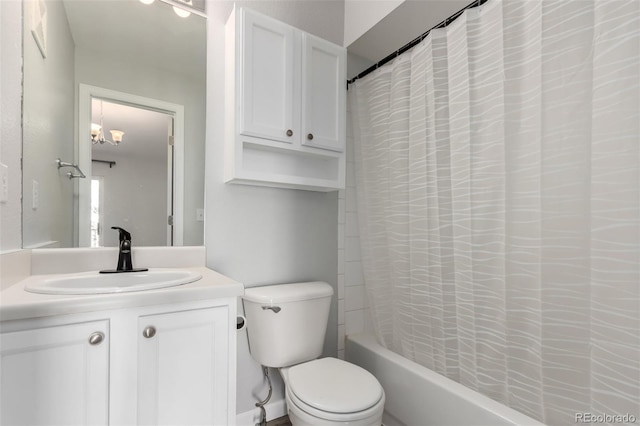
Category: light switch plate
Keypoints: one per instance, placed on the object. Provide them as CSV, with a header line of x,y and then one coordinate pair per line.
x,y
4,183
200,215
35,195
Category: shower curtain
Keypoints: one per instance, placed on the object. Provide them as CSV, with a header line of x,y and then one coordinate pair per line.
x,y
498,186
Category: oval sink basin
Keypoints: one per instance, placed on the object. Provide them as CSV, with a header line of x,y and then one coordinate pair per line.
x,y
96,283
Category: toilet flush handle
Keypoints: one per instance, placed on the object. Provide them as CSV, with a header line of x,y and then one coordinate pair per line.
x,y
275,309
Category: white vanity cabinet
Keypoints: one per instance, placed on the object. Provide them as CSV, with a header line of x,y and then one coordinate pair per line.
x,y
155,365
285,105
55,375
182,374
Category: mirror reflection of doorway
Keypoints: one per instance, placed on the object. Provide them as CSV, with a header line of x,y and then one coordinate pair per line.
x,y
138,191
132,174
97,211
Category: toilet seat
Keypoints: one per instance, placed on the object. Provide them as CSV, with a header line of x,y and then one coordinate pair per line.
x,y
334,390
372,412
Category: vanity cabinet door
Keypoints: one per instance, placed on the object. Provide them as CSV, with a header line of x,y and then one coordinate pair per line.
x,y
55,375
267,79
183,367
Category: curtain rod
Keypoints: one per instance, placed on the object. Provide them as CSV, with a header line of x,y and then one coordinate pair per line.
x,y
415,41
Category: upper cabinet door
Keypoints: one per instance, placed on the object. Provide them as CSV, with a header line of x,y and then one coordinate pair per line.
x,y
324,94
267,79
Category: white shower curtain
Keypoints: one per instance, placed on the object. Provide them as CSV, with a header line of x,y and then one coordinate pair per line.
x,y
498,186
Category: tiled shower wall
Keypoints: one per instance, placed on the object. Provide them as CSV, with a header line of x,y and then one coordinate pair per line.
x,y
353,308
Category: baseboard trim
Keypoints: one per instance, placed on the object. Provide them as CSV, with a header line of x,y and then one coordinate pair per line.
x,y
274,410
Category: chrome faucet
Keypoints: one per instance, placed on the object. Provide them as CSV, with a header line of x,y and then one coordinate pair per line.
x,y
125,264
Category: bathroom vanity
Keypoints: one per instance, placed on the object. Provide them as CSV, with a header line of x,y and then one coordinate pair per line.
x,y
159,356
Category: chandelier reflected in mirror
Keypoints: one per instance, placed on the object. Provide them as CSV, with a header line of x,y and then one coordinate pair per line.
x,y
97,133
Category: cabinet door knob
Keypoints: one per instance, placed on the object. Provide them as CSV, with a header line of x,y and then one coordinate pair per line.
x,y
289,132
149,332
310,136
96,338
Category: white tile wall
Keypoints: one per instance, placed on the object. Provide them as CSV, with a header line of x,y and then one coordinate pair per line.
x,y
351,199
351,225
352,249
354,321
353,273
354,298
353,307
341,272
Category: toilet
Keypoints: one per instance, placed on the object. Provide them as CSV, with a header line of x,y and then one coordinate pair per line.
x,y
286,325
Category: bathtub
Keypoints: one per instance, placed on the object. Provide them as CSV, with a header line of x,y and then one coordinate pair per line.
x,y
416,395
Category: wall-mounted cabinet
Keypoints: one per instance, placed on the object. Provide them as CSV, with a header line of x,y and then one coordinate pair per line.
x,y
285,105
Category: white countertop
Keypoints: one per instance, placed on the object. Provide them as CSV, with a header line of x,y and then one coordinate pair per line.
x,y
16,303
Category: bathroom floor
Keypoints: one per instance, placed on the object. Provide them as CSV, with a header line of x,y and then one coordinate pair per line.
x,y
281,421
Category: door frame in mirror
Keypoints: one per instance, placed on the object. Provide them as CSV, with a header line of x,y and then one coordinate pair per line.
x,y
83,150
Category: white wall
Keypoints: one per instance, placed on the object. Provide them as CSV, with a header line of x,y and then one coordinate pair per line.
x,y
322,18
356,64
361,15
135,198
266,235
48,123
10,121
130,77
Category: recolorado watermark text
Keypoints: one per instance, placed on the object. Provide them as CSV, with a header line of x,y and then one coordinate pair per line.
x,y
606,418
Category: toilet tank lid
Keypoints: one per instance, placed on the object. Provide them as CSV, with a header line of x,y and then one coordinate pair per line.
x,y
288,292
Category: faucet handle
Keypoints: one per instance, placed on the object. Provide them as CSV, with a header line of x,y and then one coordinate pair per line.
x,y
125,264
124,234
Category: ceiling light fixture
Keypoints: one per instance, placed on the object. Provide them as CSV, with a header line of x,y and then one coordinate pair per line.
x,y
97,134
182,8
182,12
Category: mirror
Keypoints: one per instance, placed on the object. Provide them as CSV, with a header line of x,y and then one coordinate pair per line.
x,y
112,54
142,154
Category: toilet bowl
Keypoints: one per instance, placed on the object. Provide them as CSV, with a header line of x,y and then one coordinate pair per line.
x,y
286,326
329,391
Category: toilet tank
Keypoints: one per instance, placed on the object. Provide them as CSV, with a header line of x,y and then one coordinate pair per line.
x,y
286,323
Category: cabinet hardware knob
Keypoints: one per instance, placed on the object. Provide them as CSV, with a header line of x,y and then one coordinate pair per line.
x,y
96,338
289,132
149,332
310,136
